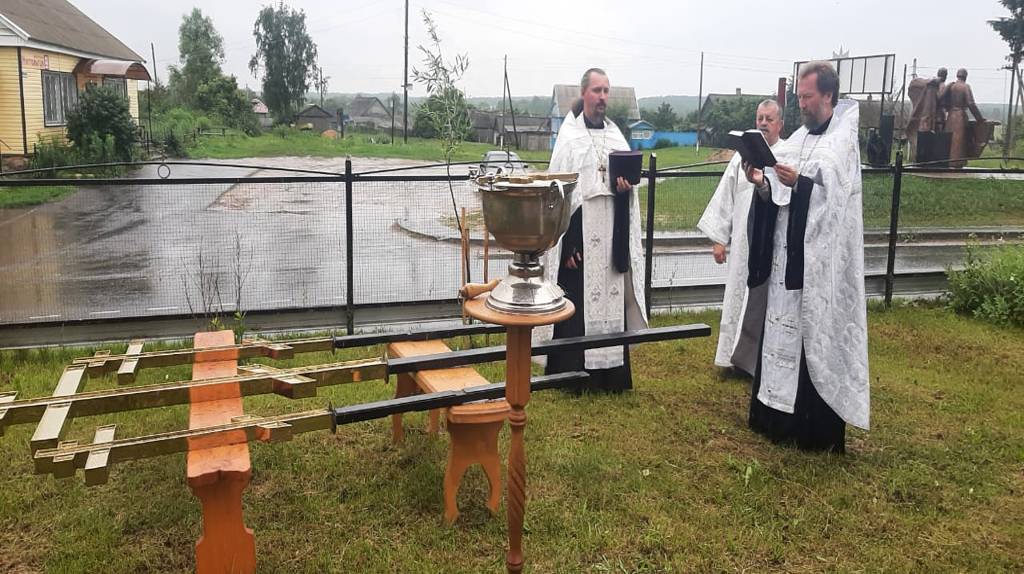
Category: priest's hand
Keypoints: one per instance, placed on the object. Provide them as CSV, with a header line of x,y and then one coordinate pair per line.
x,y
573,259
754,175
787,174
622,185
719,252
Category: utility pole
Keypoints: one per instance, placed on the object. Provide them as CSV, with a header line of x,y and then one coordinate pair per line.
x,y
1008,134
393,98
511,108
149,92
700,100
405,83
504,90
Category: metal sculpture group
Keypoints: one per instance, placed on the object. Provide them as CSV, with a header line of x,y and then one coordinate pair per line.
x,y
939,129
531,213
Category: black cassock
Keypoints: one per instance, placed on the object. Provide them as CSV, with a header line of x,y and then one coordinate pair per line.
x,y
813,425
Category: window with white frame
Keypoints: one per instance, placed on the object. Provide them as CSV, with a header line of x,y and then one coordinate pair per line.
x,y
117,84
60,96
642,134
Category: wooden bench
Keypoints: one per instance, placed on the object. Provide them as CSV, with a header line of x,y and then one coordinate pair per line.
x,y
473,427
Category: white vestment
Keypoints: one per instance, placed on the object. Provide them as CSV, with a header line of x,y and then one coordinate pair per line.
x,y
827,319
725,222
614,301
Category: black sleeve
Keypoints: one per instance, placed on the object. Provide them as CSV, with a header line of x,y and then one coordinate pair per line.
x,y
798,205
760,234
620,232
572,241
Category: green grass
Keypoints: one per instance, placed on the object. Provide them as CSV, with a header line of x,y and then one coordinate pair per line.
x,y
11,197
308,144
924,202
664,479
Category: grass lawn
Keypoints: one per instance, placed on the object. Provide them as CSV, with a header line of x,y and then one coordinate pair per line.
x,y
308,144
663,479
29,196
924,202
303,144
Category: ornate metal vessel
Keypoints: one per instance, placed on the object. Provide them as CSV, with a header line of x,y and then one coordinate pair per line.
x,y
527,214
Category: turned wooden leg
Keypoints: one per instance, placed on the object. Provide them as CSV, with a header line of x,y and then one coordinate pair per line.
x,y
517,393
404,387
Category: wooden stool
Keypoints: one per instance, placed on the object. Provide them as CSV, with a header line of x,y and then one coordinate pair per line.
x,y
219,471
473,428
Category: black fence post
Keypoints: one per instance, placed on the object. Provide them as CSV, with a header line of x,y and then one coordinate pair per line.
x,y
652,177
349,264
894,218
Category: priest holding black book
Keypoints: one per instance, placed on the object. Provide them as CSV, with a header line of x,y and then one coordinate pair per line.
x,y
806,237
599,261
725,223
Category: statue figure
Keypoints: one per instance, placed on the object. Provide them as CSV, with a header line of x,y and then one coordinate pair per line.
x,y
928,115
926,95
957,99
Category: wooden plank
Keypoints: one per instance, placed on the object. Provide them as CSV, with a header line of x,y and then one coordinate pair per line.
x,y
288,385
97,465
452,379
126,372
96,364
53,424
5,398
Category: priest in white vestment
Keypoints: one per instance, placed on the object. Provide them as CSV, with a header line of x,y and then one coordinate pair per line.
x,y
807,247
599,264
725,223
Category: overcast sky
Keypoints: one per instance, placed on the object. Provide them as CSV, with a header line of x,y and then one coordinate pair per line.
x,y
654,45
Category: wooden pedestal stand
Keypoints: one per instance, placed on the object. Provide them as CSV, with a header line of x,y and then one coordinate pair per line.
x,y
517,393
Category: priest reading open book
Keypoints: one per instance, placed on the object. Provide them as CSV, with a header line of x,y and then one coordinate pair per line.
x,y
752,147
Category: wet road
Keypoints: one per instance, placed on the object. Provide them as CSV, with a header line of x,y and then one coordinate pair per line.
x,y
131,250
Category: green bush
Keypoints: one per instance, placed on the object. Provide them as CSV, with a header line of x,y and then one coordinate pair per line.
x,y
173,145
94,149
102,113
663,143
991,287
282,131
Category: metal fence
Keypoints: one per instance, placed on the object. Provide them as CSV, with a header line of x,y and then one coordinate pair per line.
x,y
117,249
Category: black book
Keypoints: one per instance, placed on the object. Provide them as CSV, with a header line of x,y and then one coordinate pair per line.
x,y
752,147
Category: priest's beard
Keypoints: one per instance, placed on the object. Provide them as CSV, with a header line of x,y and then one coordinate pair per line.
x,y
810,122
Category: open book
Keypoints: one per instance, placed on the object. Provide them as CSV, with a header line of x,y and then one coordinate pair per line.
x,y
752,147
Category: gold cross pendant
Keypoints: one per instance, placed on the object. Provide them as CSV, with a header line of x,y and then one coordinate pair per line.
x,y
603,170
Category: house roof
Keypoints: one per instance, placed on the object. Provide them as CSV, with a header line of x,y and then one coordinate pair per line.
x,y
364,106
641,125
714,99
314,111
563,96
59,23
258,107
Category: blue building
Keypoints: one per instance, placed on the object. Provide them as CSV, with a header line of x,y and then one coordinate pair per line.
x,y
642,135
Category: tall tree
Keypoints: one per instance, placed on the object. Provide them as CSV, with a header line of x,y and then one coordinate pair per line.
x,y
201,51
664,118
1012,31
286,56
